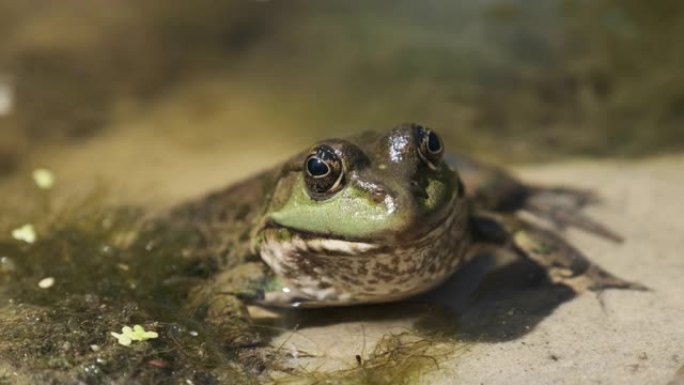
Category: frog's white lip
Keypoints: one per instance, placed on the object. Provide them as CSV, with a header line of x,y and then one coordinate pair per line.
x,y
321,244
314,235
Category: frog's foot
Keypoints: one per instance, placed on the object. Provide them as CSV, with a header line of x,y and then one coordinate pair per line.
x,y
564,263
561,207
602,280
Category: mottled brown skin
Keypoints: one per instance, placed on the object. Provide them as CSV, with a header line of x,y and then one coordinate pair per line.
x,y
224,226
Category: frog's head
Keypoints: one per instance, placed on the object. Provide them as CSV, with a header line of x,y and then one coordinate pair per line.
x,y
366,212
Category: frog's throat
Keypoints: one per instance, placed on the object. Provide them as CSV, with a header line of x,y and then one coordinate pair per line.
x,y
326,271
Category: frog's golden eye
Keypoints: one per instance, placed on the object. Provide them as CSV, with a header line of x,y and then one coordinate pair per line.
x,y
430,146
323,172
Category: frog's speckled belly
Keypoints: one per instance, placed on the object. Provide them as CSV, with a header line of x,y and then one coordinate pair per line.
x,y
335,272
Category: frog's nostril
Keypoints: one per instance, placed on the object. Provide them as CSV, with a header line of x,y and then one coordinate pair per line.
x,y
418,190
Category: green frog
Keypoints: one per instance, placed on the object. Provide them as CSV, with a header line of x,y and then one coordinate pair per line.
x,y
378,217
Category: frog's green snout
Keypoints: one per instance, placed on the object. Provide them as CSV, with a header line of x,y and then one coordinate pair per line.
x,y
376,190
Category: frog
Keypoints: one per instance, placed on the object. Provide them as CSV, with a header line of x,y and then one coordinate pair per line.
x,y
378,217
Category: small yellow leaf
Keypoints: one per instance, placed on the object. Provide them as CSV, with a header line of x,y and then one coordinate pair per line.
x,y
46,283
137,333
43,178
25,233
122,339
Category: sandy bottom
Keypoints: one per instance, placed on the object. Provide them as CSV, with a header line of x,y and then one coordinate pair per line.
x,y
623,337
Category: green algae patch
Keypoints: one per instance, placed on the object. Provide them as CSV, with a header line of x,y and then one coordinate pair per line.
x,y
403,358
92,270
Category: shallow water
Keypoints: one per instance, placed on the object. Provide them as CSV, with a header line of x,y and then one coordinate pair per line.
x,y
563,78
139,105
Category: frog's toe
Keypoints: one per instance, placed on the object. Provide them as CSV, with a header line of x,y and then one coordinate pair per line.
x,y
564,263
601,280
597,280
565,197
562,208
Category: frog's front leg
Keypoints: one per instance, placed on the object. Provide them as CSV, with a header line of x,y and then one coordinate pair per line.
x,y
222,301
563,262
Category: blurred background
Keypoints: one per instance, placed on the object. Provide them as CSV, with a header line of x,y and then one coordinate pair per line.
x,y
176,89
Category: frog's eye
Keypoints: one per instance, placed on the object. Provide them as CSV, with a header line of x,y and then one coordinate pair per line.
x,y
323,172
430,146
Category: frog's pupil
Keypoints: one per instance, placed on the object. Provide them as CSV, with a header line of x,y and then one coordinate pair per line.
x,y
434,144
317,167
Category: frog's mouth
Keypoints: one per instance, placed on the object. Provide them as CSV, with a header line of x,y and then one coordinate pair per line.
x,y
352,244
320,243
328,271
284,242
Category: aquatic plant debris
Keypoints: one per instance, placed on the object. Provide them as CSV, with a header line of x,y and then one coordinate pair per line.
x,y
137,333
43,178
46,282
25,233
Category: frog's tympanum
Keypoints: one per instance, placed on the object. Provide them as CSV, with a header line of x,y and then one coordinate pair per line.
x,y
376,218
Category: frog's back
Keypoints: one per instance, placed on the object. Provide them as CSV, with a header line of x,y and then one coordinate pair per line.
x,y
488,186
217,228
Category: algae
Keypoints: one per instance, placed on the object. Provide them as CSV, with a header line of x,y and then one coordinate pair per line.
x,y
400,359
103,281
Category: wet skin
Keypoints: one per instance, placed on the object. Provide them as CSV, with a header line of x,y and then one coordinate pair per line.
x,y
375,218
